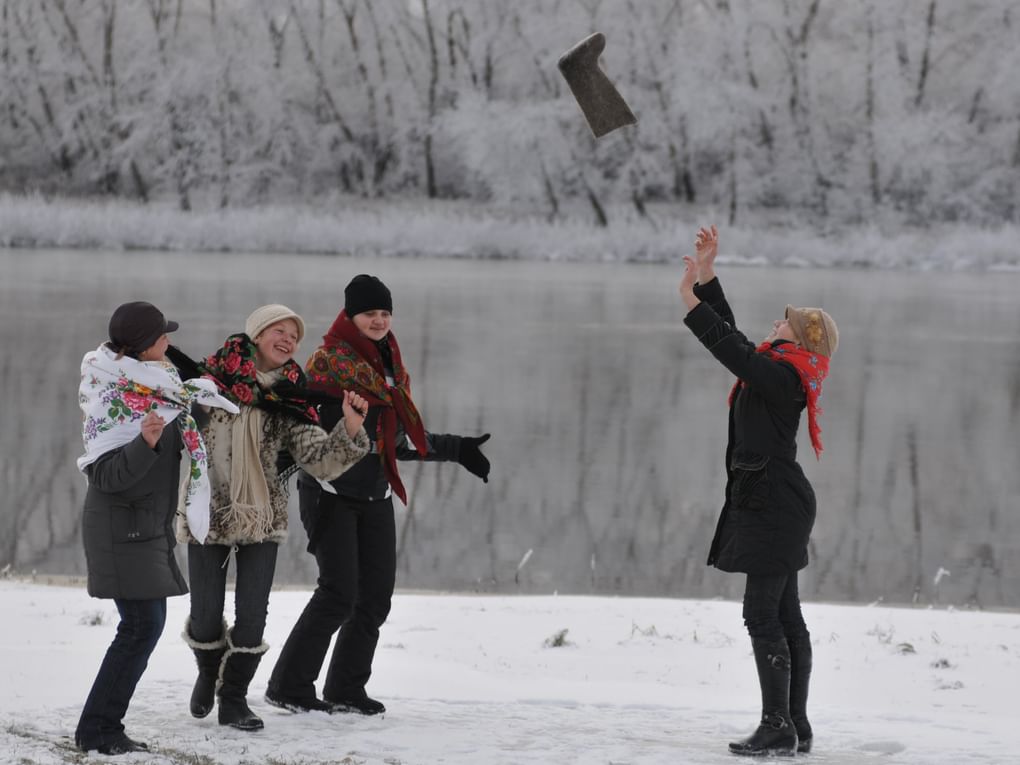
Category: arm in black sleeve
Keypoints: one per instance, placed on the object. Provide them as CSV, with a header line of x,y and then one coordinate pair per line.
x,y
120,469
712,293
188,367
774,380
201,414
442,447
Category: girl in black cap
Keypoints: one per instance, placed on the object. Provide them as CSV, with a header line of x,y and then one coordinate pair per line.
x,y
350,520
136,422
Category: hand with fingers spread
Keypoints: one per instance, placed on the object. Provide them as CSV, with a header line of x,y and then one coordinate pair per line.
x,y
687,283
354,408
706,247
152,428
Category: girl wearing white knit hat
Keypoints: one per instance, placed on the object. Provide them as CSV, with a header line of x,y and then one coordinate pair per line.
x,y
248,512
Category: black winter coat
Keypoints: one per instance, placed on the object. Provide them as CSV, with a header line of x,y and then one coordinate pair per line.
x,y
366,481
127,526
769,511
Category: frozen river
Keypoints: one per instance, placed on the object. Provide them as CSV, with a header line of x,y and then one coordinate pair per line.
x,y
608,418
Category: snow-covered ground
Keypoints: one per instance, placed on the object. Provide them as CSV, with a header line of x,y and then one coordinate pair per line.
x,y
479,231
473,679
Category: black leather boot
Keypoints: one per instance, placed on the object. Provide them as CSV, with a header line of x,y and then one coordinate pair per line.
x,y
296,704
237,670
208,657
360,704
800,679
776,734
122,745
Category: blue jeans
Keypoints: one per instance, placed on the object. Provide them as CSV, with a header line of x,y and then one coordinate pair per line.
x,y
207,578
141,624
772,608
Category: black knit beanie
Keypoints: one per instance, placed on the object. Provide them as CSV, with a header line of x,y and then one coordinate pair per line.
x,y
366,293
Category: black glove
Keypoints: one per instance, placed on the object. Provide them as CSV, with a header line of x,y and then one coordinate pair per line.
x,y
471,456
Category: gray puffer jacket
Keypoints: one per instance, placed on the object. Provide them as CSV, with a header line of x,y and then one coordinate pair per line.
x,y
127,526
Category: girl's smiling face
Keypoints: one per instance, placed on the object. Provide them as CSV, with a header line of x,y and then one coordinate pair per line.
x,y
276,344
374,324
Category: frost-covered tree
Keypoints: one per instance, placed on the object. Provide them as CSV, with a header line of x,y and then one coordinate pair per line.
x,y
828,112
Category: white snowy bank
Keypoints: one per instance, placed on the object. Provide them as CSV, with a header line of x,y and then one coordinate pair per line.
x,y
473,679
475,230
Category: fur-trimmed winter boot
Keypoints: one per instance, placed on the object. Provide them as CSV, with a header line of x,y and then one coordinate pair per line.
x,y
236,671
208,656
800,679
776,734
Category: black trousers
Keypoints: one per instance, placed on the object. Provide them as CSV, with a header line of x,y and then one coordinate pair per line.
x,y
141,624
772,608
207,578
355,547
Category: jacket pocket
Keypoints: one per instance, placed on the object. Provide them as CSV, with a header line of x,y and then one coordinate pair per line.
x,y
134,521
752,489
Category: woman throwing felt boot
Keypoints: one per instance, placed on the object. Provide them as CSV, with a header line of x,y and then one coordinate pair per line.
x,y
249,505
770,506
350,520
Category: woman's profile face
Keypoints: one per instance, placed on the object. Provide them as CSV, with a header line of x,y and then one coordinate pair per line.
x,y
781,330
374,324
276,344
156,351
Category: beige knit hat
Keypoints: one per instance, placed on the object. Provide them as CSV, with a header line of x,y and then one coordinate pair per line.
x,y
814,329
270,314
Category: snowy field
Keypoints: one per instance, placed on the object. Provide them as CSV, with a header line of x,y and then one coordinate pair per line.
x,y
473,679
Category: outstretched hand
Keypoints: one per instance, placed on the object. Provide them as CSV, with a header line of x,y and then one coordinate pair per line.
x,y
706,247
471,456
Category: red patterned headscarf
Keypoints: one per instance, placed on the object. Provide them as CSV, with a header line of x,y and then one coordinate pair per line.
x,y
347,360
812,368
233,369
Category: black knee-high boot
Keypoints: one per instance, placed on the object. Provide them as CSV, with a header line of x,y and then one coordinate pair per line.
x,y
800,678
208,657
776,733
236,671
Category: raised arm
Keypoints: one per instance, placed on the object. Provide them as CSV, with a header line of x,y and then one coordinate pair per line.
x,y
706,248
325,455
774,380
703,284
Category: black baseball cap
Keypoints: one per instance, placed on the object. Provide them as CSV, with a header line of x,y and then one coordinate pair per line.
x,y
136,326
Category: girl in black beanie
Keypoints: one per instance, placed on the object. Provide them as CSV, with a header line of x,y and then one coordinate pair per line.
x,y
350,521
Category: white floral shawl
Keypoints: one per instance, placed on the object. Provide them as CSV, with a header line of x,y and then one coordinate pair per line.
x,y
115,394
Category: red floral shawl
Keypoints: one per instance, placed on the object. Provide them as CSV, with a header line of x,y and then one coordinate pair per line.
x,y
812,368
347,360
232,367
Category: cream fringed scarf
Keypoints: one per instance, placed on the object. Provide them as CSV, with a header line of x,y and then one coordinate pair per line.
x,y
250,511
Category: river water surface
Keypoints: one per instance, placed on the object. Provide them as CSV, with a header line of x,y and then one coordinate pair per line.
x,y
608,418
